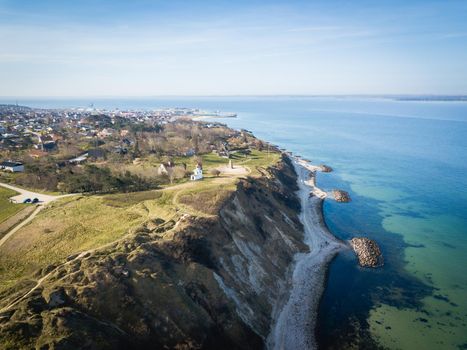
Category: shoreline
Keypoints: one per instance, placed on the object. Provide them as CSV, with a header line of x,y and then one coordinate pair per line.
x,y
205,117
295,319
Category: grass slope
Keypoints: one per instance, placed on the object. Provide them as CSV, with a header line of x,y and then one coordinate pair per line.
x,y
8,209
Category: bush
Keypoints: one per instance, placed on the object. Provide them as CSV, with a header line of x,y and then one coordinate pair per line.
x,y
215,172
101,180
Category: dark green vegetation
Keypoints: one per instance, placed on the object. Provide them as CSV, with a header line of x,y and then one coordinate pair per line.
x,y
93,179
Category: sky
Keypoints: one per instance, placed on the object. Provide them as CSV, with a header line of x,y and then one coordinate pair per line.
x,y
194,47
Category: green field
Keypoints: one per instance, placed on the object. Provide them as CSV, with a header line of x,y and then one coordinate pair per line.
x,y
8,209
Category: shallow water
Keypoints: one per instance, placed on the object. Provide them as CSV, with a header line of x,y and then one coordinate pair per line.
x,y
404,165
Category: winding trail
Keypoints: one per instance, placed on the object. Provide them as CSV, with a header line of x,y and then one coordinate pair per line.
x,y
295,322
39,283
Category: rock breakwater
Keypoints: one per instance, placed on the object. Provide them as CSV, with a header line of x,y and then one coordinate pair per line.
x,y
341,196
367,251
325,169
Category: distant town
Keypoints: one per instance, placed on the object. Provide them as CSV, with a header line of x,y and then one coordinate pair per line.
x,y
122,150
22,127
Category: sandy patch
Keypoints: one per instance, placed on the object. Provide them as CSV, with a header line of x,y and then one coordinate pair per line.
x,y
237,170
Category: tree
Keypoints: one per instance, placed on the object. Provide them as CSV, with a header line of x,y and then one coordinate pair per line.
x,y
136,150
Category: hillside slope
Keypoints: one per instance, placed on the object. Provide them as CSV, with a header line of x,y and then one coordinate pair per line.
x,y
196,282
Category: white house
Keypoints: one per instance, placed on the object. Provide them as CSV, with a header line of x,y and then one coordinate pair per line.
x,y
14,167
197,174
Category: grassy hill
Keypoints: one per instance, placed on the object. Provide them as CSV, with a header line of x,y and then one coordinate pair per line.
x,y
81,223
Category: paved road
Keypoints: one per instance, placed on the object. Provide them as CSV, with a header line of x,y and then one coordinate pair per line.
x,y
23,194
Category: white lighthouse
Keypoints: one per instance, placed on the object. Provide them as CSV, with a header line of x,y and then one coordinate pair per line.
x,y
197,173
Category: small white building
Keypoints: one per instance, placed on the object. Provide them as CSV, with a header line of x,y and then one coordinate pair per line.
x,y
197,174
14,167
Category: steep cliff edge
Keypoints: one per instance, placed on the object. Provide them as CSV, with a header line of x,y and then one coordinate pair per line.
x,y
199,282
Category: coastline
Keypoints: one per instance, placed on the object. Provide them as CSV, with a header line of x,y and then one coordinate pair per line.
x,y
295,318
402,232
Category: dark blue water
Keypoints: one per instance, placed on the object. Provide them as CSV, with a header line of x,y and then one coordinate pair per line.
x,y
404,165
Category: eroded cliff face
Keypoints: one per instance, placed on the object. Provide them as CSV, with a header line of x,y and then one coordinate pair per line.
x,y
203,283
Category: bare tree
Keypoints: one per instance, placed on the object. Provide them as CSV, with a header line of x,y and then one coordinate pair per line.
x,y
170,173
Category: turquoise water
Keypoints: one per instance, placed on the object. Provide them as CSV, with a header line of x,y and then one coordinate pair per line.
x,y
404,165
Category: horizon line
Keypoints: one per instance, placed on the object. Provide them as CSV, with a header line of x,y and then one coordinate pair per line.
x,y
458,95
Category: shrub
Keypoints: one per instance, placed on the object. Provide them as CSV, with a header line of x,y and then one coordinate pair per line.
x,y
215,172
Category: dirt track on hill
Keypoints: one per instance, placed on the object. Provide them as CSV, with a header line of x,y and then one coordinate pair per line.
x,y
15,219
24,223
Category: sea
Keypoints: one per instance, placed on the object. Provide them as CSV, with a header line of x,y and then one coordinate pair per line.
x,y
404,164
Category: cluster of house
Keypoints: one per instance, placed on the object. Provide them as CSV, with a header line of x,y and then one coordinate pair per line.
x,y
23,127
40,131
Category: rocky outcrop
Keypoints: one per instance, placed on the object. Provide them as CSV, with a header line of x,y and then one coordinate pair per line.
x,y
325,169
212,284
367,251
341,196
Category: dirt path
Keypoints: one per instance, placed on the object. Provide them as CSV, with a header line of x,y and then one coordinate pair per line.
x,y
235,171
39,282
24,223
15,219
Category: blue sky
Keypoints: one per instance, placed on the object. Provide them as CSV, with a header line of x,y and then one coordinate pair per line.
x,y
146,48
